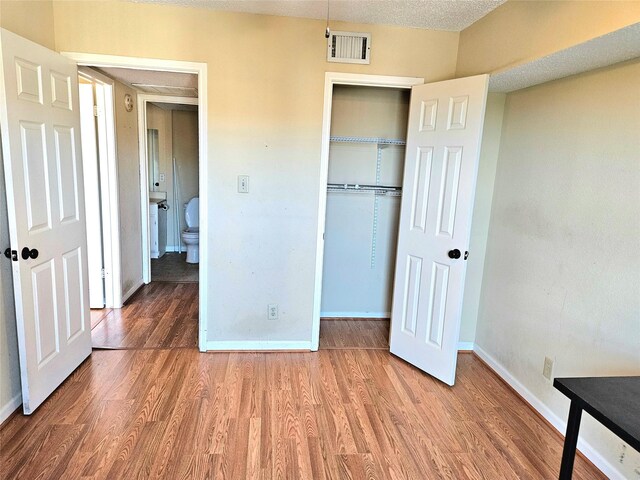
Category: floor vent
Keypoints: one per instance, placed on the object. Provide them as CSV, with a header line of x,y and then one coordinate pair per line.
x,y
349,47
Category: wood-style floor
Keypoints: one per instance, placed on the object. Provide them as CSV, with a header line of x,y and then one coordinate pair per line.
x,y
349,411
354,333
333,414
159,315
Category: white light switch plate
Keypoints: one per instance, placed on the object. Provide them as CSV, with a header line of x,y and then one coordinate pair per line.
x,y
243,183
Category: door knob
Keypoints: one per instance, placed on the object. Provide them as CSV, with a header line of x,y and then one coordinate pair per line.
x,y
455,253
26,253
11,254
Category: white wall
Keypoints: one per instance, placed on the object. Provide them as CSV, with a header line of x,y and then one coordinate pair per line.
x,y
160,119
351,286
129,191
10,397
562,273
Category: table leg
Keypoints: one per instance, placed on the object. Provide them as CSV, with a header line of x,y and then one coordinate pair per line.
x,y
570,442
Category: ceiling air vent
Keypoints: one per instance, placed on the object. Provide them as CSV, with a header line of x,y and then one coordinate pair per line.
x,y
349,47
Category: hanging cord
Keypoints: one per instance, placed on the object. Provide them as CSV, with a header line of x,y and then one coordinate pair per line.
x,y
327,32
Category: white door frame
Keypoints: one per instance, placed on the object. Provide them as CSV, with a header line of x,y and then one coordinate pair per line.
x,y
99,60
143,99
331,79
109,198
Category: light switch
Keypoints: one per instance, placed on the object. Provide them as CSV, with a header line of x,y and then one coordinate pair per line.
x,y
243,183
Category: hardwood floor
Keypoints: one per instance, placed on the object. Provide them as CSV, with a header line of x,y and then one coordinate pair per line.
x,y
159,315
334,414
354,333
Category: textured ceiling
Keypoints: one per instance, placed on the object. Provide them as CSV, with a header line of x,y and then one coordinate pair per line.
x,y
615,47
453,15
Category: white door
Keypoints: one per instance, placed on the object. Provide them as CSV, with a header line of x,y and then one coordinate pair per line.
x,y
441,164
45,202
91,181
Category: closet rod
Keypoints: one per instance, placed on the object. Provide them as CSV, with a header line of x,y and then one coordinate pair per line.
x,y
360,187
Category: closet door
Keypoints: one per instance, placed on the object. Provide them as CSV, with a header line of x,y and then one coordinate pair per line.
x,y
441,164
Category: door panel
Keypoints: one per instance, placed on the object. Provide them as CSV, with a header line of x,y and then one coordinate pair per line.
x,y
443,145
43,172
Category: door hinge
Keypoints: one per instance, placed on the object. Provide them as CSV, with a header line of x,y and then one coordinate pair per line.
x,y
102,273
95,110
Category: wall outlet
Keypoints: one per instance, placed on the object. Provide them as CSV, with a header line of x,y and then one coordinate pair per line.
x,y
243,183
272,311
547,371
162,177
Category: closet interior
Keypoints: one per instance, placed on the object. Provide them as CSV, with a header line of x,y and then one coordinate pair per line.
x,y
366,166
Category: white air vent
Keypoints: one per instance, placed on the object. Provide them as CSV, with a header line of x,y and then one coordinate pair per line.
x,y
349,47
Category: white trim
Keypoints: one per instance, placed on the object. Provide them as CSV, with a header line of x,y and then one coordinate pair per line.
x,y
591,453
257,345
10,407
126,295
331,79
355,314
466,346
200,69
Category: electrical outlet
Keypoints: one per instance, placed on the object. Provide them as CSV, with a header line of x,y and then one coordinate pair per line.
x,y
272,311
547,371
243,183
162,177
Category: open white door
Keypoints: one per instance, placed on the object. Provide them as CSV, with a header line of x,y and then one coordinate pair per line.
x,y
441,164
91,181
45,202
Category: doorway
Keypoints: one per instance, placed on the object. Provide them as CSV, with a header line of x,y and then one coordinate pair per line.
x,y
340,326
138,290
172,172
364,187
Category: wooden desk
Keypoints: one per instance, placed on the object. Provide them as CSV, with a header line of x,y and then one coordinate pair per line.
x,y
613,401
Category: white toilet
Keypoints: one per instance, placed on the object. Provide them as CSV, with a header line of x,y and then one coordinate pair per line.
x,y
191,234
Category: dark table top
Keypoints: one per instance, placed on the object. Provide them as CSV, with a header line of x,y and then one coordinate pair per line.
x,y
613,401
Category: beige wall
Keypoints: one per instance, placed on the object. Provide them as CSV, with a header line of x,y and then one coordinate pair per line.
x,y
185,151
562,274
265,93
9,365
32,20
520,31
128,190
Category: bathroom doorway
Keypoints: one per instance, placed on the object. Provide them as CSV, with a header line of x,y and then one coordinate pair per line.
x,y
172,179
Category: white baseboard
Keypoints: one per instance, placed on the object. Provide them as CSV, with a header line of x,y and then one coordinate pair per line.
x,y
465,346
10,407
355,314
591,453
257,345
175,248
132,290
